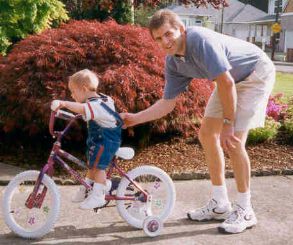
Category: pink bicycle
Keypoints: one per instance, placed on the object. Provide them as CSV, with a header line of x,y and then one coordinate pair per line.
x,y
145,196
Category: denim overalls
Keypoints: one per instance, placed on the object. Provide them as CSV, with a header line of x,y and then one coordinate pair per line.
x,y
102,143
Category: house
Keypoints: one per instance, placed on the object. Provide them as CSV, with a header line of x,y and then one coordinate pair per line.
x,y
236,20
241,20
286,39
249,23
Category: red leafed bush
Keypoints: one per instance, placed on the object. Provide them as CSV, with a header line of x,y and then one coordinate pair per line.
x,y
128,62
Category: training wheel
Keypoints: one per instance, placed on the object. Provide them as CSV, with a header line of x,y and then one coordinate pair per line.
x,y
152,226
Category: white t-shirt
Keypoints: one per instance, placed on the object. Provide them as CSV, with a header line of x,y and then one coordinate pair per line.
x,y
94,111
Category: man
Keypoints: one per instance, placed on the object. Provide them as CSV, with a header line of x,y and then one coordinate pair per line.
x,y
244,78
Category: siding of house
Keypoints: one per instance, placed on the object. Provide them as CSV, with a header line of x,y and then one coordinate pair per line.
x,y
287,22
289,7
287,26
241,21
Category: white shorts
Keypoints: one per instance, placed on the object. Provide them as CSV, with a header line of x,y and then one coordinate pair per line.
x,y
252,97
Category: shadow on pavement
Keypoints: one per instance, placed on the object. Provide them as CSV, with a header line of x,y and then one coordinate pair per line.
x,y
70,232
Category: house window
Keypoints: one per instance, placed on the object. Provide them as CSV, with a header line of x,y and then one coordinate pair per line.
x,y
184,21
195,22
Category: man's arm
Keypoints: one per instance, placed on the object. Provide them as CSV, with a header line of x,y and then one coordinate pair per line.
x,y
228,97
227,94
161,108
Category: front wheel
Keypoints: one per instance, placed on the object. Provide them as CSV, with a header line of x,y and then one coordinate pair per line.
x,y
30,222
161,195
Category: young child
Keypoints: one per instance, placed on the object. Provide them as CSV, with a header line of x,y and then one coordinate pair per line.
x,y
104,133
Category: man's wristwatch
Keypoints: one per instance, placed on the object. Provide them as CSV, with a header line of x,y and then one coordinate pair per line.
x,y
227,121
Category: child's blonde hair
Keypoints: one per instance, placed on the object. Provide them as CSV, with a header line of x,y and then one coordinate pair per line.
x,y
84,78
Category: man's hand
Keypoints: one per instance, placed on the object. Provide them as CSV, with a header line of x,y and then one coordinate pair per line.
x,y
227,138
129,119
161,108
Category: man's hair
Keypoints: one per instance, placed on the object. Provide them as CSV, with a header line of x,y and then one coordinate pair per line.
x,y
84,78
163,16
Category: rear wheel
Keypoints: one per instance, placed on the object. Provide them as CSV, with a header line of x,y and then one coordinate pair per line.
x,y
161,198
37,221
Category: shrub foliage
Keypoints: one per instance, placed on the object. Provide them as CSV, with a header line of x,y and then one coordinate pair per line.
x,y
100,10
288,123
267,133
128,62
19,18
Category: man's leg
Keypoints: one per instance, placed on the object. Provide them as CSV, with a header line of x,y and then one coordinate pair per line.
x,y
209,136
242,216
219,206
241,163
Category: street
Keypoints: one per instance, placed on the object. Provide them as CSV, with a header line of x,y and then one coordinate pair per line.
x,y
284,68
272,198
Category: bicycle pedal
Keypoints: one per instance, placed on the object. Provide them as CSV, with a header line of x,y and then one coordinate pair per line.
x,y
97,210
130,188
115,184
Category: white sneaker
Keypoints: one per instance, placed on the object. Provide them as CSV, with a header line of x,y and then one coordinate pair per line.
x,y
108,186
239,220
93,201
211,211
80,195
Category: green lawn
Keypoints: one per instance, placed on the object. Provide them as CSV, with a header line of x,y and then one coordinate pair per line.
x,y
284,84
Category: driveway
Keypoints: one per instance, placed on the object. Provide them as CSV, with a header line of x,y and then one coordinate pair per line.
x,y
272,199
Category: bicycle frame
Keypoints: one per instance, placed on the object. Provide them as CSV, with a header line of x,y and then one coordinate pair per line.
x,y
57,155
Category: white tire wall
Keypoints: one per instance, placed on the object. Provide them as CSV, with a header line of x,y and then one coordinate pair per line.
x,y
52,188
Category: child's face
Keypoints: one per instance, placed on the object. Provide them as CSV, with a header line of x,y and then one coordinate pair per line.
x,y
77,93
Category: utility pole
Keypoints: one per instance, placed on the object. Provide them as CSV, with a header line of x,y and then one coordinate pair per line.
x,y
222,19
275,33
132,11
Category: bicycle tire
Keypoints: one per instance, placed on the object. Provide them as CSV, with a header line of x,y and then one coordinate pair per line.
x,y
7,199
134,174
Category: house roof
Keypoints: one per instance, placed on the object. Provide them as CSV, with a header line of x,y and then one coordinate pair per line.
x,y
271,17
236,12
288,6
247,13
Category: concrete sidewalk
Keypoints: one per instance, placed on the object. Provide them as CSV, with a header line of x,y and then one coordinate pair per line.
x,y
282,63
7,172
272,198
285,67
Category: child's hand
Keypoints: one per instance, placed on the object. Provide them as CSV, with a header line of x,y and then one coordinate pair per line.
x,y
55,105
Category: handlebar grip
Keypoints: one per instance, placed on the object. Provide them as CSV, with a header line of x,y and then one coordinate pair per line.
x,y
51,124
64,115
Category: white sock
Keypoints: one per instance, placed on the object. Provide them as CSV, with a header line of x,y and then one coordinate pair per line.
x,y
90,182
243,199
99,189
219,193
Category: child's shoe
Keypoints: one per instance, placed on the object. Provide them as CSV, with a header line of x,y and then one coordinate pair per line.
x,y
96,198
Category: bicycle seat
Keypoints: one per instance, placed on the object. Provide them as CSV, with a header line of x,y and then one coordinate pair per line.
x,y
125,153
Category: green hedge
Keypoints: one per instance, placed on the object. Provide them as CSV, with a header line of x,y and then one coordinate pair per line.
x,y
268,132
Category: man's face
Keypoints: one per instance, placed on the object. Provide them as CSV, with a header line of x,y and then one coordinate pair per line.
x,y
169,38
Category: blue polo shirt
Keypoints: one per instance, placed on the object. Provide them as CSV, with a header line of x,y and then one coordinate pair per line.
x,y
207,55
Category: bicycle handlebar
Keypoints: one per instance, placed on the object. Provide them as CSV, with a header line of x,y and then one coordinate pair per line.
x,y
62,115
